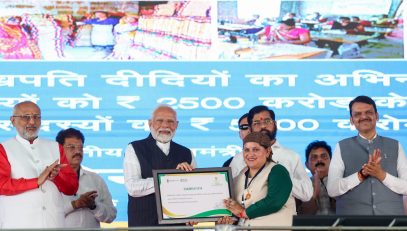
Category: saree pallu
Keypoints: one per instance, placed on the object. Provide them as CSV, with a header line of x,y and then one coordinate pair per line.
x,y
15,45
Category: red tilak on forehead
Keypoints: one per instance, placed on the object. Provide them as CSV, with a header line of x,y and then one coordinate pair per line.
x,y
261,118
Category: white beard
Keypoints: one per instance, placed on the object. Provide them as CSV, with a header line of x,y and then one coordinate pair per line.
x,y
30,135
162,138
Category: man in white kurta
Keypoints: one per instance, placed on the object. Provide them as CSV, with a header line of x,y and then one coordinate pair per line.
x,y
33,175
92,203
262,119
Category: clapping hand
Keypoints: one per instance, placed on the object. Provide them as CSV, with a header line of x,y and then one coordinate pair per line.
x,y
50,172
55,170
86,200
316,184
373,167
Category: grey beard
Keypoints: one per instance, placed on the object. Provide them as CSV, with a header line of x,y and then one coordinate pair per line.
x,y
161,139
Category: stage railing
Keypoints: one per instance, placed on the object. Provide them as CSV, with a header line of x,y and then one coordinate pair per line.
x,y
236,228
303,222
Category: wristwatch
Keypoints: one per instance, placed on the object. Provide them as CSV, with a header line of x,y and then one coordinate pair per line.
x,y
361,175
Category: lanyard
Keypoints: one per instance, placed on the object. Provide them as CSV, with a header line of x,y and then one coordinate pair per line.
x,y
247,182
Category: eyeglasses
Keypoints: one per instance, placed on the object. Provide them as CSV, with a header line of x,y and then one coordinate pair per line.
x,y
159,122
73,147
323,156
243,126
367,113
266,122
27,118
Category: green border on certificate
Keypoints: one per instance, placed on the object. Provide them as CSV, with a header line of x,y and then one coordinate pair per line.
x,y
192,196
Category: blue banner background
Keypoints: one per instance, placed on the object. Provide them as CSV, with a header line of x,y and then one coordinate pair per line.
x,y
208,120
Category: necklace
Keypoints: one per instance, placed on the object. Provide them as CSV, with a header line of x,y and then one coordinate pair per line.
x,y
247,183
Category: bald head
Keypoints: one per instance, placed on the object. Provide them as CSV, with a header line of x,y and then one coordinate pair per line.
x,y
24,105
26,119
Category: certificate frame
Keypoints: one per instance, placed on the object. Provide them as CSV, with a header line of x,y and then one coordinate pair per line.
x,y
221,179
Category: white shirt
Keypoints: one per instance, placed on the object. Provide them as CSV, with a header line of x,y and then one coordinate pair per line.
x,y
137,186
237,164
339,185
84,217
302,185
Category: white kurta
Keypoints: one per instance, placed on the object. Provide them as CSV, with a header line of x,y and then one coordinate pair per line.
x,y
84,217
37,208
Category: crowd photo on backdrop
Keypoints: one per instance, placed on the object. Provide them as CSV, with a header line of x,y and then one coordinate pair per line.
x,y
192,30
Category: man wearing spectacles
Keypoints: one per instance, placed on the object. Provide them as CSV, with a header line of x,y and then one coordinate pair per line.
x,y
244,130
34,174
318,157
368,174
157,151
92,203
262,119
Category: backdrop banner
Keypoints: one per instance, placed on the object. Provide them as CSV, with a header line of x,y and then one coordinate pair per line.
x,y
111,102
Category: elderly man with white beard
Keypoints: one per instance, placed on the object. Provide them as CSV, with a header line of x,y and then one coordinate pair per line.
x,y
34,175
157,151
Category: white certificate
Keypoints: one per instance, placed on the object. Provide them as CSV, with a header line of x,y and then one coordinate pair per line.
x,y
192,196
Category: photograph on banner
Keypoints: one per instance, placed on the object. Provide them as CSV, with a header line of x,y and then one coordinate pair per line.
x,y
299,29
105,30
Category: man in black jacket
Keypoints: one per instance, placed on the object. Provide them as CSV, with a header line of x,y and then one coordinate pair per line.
x,y
157,151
